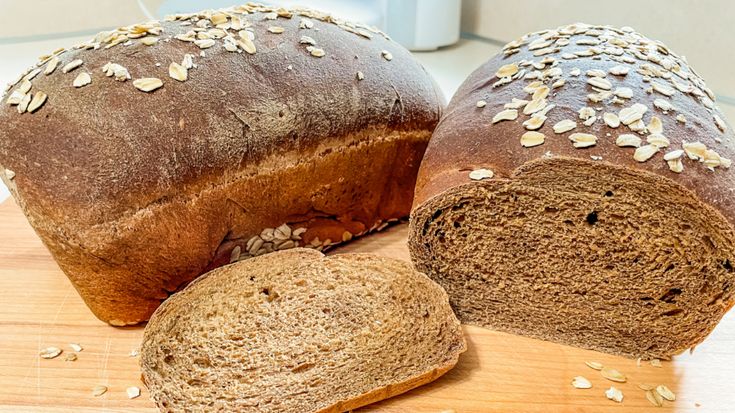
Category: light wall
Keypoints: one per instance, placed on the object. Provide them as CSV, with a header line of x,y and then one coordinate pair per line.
x,y
702,30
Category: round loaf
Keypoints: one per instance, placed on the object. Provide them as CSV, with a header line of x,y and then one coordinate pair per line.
x,y
579,190
211,137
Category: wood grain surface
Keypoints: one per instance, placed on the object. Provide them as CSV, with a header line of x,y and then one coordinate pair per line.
x,y
499,372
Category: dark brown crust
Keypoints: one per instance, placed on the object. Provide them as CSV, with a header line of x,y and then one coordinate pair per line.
x,y
466,140
100,167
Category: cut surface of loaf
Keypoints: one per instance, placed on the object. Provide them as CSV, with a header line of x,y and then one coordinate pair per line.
x,y
295,331
579,190
156,152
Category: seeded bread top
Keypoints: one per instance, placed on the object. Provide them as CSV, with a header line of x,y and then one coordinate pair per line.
x,y
595,93
151,111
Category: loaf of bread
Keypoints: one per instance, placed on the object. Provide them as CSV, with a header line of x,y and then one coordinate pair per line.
x,y
156,152
579,190
295,331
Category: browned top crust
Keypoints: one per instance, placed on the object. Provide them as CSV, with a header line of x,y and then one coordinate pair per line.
x,y
681,135
89,153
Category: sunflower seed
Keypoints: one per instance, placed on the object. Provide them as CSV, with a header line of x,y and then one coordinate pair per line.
x,y
516,104
580,382
614,394
507,114
480,174
645,387
619,70
149,41
611,119
612,374
148,84
51,65
276,29
720,123
481,104
72,65
564,126
507,70
530,139
70,357
132,392
594,365
387,55
38,100
99,391
268,234
50,352
83,79
257,244
76,347
665,392
654,398
583,140
178,72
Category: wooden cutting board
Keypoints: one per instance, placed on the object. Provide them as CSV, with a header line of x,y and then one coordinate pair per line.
x,y
499,372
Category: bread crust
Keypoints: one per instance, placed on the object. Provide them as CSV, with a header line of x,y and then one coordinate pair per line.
x,y
137,193
466,139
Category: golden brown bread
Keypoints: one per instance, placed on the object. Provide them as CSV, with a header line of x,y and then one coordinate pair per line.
x,y
295,331
320,127
613,233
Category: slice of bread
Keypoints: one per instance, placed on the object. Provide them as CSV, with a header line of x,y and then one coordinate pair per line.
x,y
296,331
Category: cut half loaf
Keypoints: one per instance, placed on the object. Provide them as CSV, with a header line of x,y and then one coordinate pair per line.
x,y
296,331
579,190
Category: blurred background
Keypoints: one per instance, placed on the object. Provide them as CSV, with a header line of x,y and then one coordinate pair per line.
x,y
450,37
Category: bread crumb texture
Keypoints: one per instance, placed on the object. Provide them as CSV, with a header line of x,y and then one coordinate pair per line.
x,y
295,331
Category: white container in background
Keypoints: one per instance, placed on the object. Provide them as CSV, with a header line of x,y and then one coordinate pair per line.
x,y
423,24
416,24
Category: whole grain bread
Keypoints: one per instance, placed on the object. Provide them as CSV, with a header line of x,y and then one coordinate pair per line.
x,y
579,190
295,331
211,137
